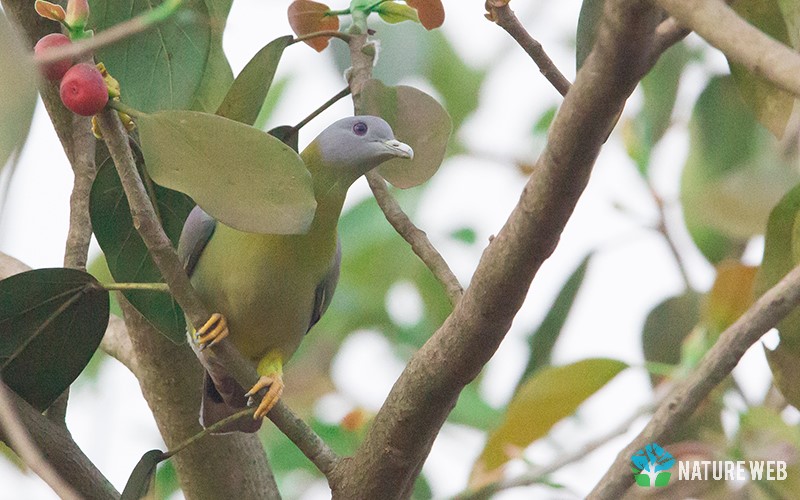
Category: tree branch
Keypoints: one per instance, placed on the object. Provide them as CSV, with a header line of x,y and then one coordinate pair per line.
x,y
405,427
717,364
415,236
501,13
740,41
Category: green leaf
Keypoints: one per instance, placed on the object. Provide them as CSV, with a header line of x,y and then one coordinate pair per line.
x,y
218,76
163,67
544,338
666,327
241,176
588,21
18,95
471,409
771,105
248,92
416,119
126,254
51,322
660,88
142,476
549,395
734,172
393,12
465,235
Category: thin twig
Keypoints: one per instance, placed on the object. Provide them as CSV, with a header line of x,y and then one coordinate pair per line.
x,y
661,227
150,287
542,473
415,236
165,258
21,442
112,35
717,364
502,14
247,412
317,34
327,104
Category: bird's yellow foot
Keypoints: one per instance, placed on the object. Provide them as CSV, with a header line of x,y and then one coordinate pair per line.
x,y
270,370
215,329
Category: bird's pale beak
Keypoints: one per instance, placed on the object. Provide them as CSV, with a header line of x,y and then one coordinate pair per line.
x,y
399,149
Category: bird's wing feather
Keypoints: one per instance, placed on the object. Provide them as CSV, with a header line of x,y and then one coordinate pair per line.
x,y
197,230
324,292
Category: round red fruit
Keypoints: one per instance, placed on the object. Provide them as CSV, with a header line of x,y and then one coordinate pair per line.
x,y
83,90
54,70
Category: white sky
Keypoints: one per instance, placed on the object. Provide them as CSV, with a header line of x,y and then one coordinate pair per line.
x,y
631,272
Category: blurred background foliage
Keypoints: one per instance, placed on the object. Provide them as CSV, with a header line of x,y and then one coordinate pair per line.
x,y
741,166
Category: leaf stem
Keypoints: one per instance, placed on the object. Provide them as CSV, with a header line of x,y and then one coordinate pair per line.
x,y
151,287
329,33
208,430
124,108
327,104
342,12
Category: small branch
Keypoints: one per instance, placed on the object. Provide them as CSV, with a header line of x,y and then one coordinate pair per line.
x,y
317,34
661,227
668,33
20,441
165,258
150,287
717,364
740,41
542,473
506,19
416,237
327,104
247,412
112,35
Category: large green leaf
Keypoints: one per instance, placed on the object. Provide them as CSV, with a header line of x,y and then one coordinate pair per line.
x,y
549,395
734,173
51,322
666,327
246,96
241,176
659,88
781,255
588,21
771,105
161,68
17,92
416,119
543,339
217,76
126,254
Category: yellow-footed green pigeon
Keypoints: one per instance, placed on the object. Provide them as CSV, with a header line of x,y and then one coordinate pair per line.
x,y
269,290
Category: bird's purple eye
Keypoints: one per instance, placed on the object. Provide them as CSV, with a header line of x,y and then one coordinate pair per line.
x,y
360,128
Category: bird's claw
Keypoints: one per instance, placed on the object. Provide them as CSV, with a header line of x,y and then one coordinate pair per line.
x,y
215,329
270,399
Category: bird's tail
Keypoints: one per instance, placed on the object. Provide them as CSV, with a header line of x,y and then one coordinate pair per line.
x,y
222,397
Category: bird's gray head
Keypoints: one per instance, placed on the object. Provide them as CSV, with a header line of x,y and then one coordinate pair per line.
x,y
355,145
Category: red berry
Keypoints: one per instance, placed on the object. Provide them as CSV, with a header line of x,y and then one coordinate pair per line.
x,y
83,90
55,70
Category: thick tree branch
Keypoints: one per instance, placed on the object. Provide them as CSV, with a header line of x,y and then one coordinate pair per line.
x,y
501,13
405,427
165,258
739,40
717,364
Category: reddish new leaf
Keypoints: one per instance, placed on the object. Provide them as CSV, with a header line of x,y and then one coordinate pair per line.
x,y
307,17
431,12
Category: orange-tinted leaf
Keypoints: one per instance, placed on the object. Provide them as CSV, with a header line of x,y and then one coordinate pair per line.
x,y
730,296
431,12
50,11
307,17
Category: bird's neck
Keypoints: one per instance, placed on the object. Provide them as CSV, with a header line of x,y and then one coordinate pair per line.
x,y
329,192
